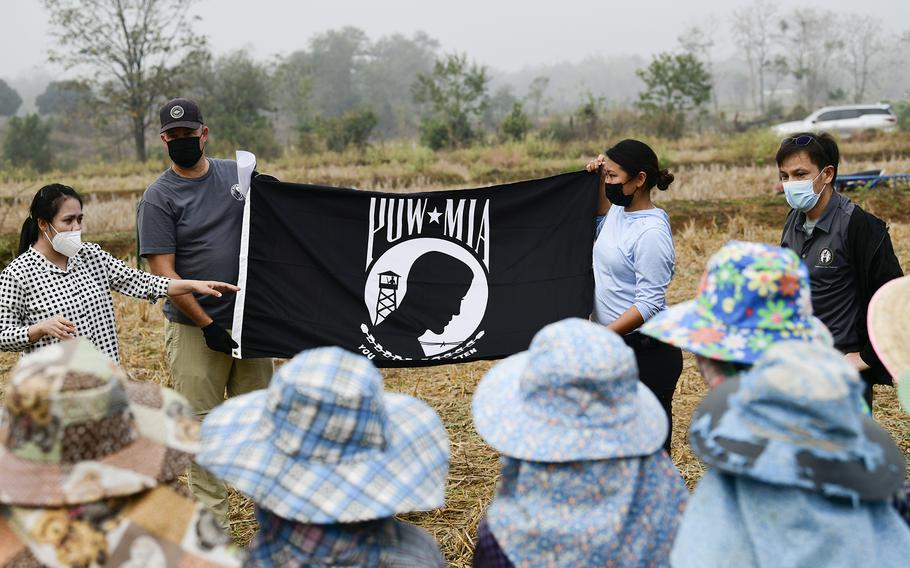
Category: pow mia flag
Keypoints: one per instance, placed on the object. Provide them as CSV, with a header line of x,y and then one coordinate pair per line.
x,y
412,279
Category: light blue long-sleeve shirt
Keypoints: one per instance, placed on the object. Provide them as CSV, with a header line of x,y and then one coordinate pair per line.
x,y
634,261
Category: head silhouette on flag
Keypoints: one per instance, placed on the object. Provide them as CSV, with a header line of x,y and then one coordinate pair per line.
x,y
437,284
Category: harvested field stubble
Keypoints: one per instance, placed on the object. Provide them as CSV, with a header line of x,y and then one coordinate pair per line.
x,y
700,229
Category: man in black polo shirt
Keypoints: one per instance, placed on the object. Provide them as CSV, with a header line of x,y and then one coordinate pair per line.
x,y
847,250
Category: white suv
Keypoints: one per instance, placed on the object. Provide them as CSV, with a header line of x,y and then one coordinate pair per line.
x,y
843,120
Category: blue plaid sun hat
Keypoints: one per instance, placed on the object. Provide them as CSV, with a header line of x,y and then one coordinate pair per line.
x,y
797,419
751,296
377,543
574,395
324,444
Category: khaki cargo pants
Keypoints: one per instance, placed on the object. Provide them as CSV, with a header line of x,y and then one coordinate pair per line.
x,y
204,376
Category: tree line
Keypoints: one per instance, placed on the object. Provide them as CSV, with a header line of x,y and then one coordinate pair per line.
x,y
345,89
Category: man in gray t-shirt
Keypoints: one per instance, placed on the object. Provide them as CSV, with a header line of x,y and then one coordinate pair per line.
x,y
189,225
197,221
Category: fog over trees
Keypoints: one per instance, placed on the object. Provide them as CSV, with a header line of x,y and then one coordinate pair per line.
x,y
343,88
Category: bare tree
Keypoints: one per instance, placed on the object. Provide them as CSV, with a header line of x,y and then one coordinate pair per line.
x,y
129,50
535,94
863,48
754,28
699,42
891,76
811,43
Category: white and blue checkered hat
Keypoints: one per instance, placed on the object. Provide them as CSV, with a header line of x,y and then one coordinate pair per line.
x,y
573,396
324,444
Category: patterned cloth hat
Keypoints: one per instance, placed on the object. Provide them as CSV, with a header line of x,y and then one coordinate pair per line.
x,y
574,395
615,512
751,296
76,430
888,314
161,527
324,444
797,419
736,521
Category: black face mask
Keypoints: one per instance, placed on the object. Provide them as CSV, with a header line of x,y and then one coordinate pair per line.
x,y
185,152
616,195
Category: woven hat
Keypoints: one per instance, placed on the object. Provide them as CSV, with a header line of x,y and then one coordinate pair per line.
x,y
76,430
796,419
574,395
159,527
324,444
751,296
888,313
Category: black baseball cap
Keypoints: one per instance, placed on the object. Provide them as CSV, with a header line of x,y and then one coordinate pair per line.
x,y
180,113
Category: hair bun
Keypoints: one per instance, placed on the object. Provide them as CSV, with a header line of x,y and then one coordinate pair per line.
x,y
664,179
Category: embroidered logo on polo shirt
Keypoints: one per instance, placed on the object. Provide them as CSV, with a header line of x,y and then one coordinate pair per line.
x,y
825,257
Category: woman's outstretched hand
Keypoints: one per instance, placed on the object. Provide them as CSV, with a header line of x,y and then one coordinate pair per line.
x,y
204,287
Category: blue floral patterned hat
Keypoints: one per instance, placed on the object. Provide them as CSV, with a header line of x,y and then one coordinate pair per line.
x,y
616,512
324,444
797,419
751,296
574,395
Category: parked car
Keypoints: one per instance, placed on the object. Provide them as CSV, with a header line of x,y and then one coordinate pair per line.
x,y
867,179
844,120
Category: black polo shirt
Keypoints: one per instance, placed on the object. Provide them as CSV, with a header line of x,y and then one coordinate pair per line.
x,y
832,278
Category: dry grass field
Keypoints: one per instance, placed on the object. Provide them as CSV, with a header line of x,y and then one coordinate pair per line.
x,y
708,206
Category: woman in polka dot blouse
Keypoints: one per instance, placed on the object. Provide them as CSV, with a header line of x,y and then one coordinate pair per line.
x,y
58,288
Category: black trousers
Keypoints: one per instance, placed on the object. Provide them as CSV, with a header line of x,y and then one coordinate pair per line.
x,y
874,376
659,368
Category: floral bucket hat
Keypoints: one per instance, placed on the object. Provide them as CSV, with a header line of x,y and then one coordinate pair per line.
x,y
324,444
751,296
797,419
574,395
160,527
887,318
76,430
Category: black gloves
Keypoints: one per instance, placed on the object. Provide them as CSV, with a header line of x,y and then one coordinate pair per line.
x,y
218,339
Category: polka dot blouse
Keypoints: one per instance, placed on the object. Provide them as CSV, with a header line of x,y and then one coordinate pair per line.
x,y
33,289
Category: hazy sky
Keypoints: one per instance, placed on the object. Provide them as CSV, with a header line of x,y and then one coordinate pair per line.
x,y
508,35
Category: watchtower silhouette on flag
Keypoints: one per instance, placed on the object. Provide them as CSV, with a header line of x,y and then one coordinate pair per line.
x,y
388,289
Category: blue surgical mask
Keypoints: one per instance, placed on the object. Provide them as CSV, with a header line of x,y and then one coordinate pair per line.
x,y
801,194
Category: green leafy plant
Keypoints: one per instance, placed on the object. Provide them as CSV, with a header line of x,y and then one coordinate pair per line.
x,y
454,96
675,85
26,142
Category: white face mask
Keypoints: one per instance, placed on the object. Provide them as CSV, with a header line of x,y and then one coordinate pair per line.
x,y
801,194
67,243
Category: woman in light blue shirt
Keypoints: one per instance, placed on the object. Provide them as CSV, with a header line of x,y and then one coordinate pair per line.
x,y
634,260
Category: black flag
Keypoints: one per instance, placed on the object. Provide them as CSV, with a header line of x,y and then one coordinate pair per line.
x,y
413,279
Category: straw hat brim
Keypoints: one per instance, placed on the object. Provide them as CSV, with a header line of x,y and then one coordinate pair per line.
x,y
887,320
